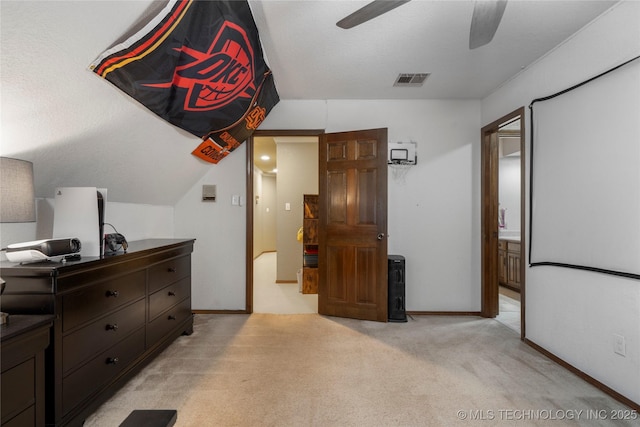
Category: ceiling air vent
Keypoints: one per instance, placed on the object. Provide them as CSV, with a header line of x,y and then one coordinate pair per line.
x,y
411,80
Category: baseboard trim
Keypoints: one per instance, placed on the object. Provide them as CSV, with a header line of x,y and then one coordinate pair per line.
x,y
445,313
605,389
220,312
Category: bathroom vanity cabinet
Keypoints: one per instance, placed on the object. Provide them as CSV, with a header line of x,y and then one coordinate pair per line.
x,y
509,263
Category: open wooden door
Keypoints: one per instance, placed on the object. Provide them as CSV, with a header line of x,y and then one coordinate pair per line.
x,y
489,222
352,258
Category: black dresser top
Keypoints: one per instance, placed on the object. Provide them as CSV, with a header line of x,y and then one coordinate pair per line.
x,y
136,249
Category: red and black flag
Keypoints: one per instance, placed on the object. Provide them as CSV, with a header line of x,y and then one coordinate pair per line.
x,y
198,64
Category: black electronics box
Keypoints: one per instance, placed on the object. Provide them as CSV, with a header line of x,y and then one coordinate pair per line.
x,y
396,294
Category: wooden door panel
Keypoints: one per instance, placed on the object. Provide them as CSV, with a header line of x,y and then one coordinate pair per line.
x,y
339,274
367,196
336,151
366,259
337,195
366,150
352,236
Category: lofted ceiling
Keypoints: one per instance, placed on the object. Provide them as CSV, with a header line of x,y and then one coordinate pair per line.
x,y
80,131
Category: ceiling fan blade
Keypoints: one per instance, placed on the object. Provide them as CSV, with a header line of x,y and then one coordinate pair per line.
x,y
484,23
370,11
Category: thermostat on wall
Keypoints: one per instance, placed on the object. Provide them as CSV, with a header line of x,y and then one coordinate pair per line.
x,y
208,193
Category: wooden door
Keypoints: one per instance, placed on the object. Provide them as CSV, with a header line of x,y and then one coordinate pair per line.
x,y
352,258
489,190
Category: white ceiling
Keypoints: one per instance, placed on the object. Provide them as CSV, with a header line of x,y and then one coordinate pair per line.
x,y
312,58
81,131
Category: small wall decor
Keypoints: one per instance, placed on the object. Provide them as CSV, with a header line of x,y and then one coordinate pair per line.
x,y
402,153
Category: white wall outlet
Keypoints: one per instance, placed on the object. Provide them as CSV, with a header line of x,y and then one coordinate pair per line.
x,y
619,345
235,200
287,206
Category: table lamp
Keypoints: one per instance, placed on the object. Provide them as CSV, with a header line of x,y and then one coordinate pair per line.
x,y
17,196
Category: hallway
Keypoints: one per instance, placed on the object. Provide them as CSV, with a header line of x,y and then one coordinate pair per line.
x,y
270,297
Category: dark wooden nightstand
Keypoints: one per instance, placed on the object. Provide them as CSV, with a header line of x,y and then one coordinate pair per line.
x,y
23,341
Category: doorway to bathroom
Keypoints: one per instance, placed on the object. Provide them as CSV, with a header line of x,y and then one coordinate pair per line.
x,y
503,247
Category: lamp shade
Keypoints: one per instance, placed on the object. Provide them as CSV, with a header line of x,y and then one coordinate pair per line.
x,y
17,196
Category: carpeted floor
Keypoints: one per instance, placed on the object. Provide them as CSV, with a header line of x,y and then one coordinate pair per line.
x,y
311,370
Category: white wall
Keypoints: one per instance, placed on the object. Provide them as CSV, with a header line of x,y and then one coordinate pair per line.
x,y
218,261
297,176
509,191
433,214
264,214
269,223
574,314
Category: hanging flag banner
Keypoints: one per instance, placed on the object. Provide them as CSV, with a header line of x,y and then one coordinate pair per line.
x,y
198,65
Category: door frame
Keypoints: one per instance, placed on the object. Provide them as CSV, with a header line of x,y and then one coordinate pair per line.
x,y
249,206
489,215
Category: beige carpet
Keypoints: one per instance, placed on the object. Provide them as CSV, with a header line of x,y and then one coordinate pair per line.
x,y
310,370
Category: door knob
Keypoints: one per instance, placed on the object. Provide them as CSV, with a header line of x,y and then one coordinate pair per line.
x,y
380,236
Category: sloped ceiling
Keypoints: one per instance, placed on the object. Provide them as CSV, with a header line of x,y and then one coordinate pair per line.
x,y
78,130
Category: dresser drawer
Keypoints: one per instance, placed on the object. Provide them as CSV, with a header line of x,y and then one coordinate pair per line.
x,y
167,272
513,246
100,298
167,321
89,379
101,334
168,297
18,389
25,418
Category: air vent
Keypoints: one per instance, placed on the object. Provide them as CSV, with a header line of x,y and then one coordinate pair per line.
x,y
411,80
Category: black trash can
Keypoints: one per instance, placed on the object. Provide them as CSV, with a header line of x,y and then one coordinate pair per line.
x,y
396,293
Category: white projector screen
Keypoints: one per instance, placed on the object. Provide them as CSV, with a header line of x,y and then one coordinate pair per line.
x,y
585,175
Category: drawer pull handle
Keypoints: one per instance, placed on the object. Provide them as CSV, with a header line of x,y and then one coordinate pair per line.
x,y
113,327
172,270
171,294
113,294
171,317
112,360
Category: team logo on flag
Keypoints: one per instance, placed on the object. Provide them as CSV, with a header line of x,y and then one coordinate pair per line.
x,y
218,76
198,65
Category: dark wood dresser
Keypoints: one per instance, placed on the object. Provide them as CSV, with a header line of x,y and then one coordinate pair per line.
x,y
113,314
23,341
